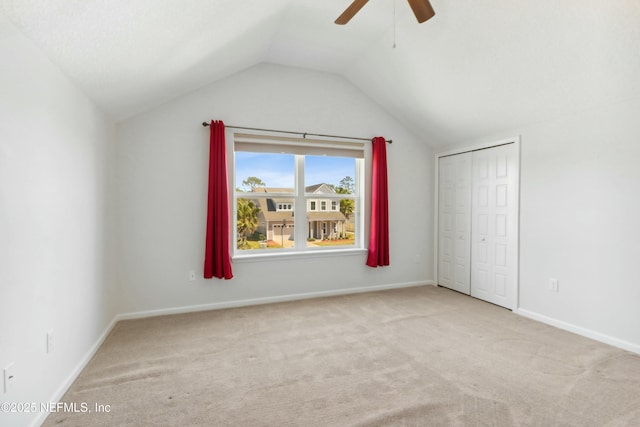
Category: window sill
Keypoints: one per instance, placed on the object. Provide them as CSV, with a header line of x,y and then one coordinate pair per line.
x,y
281,256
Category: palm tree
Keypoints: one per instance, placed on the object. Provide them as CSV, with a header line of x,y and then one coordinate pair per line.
x,y
247,220
347,206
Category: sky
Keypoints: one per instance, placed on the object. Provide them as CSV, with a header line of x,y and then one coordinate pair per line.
x,y
277,170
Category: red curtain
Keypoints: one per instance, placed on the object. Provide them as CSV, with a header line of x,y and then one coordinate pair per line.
x,y
379,230
217,257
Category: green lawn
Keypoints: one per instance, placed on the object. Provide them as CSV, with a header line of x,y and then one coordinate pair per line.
x,y
250,244
341,242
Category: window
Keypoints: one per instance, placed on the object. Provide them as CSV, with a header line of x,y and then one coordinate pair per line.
x,y
284,206
280,182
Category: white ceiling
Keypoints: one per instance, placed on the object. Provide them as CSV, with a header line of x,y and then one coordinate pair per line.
x,y
479,66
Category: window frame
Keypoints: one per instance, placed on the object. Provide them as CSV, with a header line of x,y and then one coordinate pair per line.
x,y
302,200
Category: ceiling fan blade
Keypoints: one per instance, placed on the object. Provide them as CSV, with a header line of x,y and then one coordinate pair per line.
x,y
350,11
422,9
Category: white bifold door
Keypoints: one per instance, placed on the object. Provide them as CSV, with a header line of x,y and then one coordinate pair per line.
x,y
477,224
454,222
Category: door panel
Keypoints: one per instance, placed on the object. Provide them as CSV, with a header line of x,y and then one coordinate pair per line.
x,y
454,213
494,226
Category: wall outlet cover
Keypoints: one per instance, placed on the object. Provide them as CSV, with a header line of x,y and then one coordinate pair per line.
x,y
8,377
49,341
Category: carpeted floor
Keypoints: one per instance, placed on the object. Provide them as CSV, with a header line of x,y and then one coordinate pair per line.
x,y
421,356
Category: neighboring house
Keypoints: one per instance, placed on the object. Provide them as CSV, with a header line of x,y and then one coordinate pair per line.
x,y
324,218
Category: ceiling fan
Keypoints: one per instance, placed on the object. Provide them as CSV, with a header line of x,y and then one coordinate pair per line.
x,y
421,8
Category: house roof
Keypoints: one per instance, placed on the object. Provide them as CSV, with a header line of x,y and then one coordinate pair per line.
x,y
319,188
282,216
476,67
279,216
268,205
326,216
272,190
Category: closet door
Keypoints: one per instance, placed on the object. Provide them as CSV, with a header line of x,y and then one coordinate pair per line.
x,y
454,222
494,237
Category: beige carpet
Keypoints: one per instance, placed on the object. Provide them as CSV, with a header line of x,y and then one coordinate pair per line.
x,y
420,356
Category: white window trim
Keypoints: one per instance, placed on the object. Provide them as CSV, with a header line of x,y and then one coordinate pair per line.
x,y
300,198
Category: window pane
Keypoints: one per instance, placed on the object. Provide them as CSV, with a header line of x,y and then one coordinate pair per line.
x,y
264,222
338,172
332,222
264,170
267,206
332,228
261,226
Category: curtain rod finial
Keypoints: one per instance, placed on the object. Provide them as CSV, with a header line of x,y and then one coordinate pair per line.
x,y
205,124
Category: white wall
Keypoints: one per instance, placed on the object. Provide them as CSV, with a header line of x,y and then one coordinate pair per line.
x,y
579,222
54,251
162,168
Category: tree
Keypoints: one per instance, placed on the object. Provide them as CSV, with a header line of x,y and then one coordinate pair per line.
x,y
348,184
252,182
347,206
247,220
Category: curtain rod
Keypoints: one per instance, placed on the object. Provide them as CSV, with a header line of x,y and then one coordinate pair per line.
x,y
304,134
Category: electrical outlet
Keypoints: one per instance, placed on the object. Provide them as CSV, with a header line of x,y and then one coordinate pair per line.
x,y
554,285
50,341
192,275
8,377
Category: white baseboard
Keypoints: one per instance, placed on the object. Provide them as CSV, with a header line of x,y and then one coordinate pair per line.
x,y
267,300
625,345
62,389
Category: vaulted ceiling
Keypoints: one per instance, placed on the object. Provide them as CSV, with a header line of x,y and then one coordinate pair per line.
x,y
477,67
